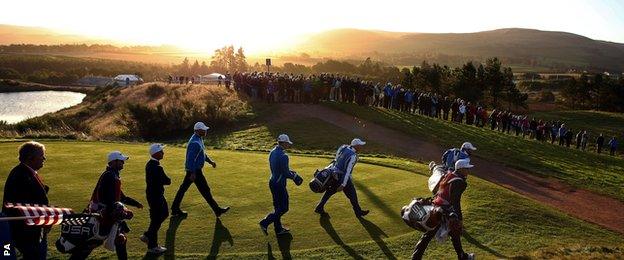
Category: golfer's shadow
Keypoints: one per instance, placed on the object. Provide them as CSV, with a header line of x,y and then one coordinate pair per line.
x,y
174,224
329,228
283,242
376,233
221,235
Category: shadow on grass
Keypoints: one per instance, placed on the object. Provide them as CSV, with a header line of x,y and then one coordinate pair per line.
x,y
329,228
283,243
393,214
174,223
221,235
470,239
376,234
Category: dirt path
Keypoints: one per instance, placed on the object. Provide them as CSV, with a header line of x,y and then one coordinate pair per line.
x,y
583,204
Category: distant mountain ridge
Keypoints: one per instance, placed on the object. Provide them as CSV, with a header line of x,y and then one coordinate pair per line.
x,y
520,46
514,46
13,34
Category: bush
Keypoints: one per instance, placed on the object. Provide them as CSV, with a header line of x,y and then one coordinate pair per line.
x,y
154,91
546,96
170,120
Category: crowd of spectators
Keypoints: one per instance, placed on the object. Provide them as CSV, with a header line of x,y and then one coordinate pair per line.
x,y
290,88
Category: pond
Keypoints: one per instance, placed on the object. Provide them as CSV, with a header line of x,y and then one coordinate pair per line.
x,y
19,106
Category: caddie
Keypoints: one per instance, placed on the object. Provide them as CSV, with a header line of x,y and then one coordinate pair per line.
x,y
449,199
346,158
450,156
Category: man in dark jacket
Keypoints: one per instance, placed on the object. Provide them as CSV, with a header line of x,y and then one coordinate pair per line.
x,y
448,197
155,179
599,143
24,185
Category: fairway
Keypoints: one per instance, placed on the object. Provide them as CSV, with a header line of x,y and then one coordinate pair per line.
x,y
518,227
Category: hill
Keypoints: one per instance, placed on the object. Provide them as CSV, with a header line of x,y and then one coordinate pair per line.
x,y
12,34
143,112
526,47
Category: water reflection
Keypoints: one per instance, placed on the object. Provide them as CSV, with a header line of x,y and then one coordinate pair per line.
x,y
15,107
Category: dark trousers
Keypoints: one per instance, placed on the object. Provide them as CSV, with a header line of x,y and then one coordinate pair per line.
x,y
349,191
33,249
27,240
422,244
202,186
158,213
280,206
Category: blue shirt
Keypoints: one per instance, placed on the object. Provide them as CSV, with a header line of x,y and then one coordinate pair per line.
x,y
195,155
345,161
409,97
278,162
613,143
452,155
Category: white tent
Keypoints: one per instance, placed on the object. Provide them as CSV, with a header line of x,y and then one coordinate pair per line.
x,y
127,79
211,78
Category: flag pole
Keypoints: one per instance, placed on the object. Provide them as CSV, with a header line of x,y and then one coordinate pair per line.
x,y
64,216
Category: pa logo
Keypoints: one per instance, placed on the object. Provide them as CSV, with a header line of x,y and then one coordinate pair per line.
x,y
6,249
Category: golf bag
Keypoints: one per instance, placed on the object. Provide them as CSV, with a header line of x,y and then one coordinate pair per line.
x,y
94,231
421,214
437,173
327,178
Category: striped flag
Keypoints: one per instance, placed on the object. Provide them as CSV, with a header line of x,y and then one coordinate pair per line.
x,y
39,215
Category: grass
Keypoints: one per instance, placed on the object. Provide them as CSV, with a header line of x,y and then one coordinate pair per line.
x,y
499,223
598,173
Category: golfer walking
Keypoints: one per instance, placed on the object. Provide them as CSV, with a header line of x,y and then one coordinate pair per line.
x,y
195,159
280,172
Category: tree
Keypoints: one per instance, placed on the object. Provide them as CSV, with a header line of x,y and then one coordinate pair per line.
x,y
408,78
493,79
466,85
184,68
241,61
195,68
203,69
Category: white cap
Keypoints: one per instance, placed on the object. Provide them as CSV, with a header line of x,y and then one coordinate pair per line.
x,y
154,148
468,146
357,141
200,126
463,164
117,155
283,138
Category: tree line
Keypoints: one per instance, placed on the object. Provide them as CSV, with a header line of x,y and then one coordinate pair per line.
x,y
594,91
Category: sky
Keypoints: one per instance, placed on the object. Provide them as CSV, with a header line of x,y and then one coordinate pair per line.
x,y
274,24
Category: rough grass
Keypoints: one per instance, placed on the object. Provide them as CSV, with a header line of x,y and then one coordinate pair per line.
x,y
598,173
499,223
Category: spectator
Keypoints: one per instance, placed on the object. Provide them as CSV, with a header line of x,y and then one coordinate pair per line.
x,y
599,143
568,137
584,139
613,145
562,134
579,136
